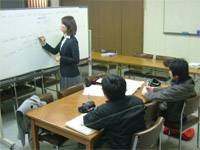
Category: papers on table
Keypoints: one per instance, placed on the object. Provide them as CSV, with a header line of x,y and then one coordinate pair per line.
x,y
93,90
132,86
77,125
194,65
96,90
108,54
99,80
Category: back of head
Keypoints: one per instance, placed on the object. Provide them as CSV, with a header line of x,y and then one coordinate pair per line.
x,y
179,67
114,87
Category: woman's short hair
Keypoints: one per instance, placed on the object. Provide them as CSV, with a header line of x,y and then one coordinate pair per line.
x,y
70,23
114,87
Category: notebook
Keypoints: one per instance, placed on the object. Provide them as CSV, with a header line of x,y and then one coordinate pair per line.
x,y
77,125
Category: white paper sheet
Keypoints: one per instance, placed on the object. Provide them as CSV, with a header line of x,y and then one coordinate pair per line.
x,y
93,90
77,125
132,86
96,90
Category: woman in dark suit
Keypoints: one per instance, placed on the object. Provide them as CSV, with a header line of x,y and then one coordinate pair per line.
x,y
69,52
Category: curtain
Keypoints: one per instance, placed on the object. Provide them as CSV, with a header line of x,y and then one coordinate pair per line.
x,y
37,3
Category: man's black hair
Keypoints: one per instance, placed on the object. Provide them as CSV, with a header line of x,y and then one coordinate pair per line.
x,y
179,67
114,87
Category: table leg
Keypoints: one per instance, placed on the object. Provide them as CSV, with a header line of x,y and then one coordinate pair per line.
x,y
89,146
35,139
4,140
119,70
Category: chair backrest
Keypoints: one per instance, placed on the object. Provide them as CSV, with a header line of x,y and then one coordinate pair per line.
x,y
90,79
69,91
160,57
151,113
47,97
52,138
191,105
142,55
148,138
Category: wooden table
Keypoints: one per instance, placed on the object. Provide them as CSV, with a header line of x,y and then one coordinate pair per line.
x,y
54,115
135,61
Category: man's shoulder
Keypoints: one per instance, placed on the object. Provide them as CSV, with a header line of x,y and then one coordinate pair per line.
x,y
135,99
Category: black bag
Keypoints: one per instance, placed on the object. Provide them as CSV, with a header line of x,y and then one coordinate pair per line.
x,y
87,107
154,83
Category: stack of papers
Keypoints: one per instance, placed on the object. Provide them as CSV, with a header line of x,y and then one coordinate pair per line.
x,y
109,54
96,90
77,125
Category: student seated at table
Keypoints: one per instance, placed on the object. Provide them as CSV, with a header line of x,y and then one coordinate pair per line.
x,y
120,116
172,97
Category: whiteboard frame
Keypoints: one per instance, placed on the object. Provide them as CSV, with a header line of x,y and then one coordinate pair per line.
x,y
174,32
38,70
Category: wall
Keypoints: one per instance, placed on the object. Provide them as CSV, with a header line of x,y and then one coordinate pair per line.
x,y
155,42
12,4
54,3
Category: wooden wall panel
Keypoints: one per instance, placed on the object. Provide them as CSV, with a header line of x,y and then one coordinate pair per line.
x,y
106,29
132,26
115,24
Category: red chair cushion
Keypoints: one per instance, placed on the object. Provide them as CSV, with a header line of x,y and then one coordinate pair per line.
x,y
187,135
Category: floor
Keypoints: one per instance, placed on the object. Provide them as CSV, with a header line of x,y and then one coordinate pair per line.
x,y
10,131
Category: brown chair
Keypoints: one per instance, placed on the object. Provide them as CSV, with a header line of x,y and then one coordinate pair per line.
x,y
190,106
90,79
100,67
45,135
47,78
139,71
53,139
151,113
149,138
48,97
143,55
103,67
69,90
161,57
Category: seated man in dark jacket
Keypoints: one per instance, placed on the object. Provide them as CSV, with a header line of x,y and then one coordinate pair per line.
x,y
120,117
173,97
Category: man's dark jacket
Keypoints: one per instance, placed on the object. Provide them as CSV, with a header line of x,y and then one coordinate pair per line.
x,y
120,120
173,97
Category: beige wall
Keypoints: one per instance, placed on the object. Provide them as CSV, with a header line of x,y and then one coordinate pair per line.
x,y
155,42
54,3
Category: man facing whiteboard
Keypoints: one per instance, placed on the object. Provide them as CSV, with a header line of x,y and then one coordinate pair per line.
x,y
69,52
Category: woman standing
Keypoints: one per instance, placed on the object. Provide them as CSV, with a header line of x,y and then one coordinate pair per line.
x,y
69,52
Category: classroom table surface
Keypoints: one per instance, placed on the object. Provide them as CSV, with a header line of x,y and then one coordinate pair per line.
x,y
135,61
54,116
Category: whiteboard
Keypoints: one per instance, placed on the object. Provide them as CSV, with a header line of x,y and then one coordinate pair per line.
x,y
182,16
20,50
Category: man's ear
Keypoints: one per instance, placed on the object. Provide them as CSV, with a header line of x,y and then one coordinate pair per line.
x,y
175,77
